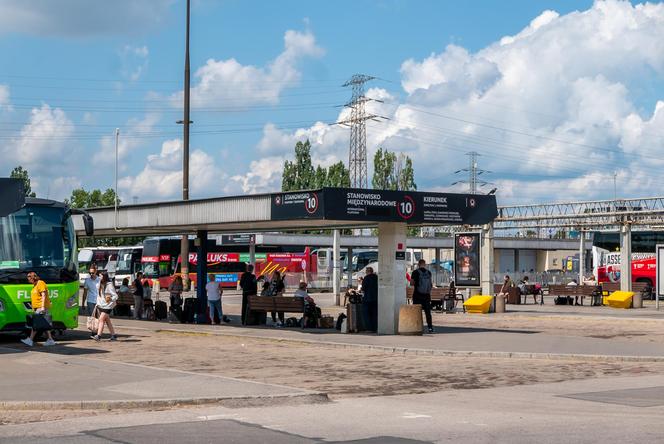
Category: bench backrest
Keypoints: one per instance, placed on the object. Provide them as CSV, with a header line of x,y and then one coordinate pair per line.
x,y
436,292
280,303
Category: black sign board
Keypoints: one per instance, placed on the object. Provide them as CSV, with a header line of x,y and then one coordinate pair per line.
x,y
12,196
400,255
467,261
238,239
412,207
298,205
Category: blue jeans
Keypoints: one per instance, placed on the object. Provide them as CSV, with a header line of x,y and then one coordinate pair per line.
x,y
91,306
215,306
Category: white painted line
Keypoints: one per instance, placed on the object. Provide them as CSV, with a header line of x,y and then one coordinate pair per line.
x,y
409,415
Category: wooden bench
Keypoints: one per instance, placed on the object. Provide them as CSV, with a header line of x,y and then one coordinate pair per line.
x,y
438,297
583,291
279,303
610,287
513,294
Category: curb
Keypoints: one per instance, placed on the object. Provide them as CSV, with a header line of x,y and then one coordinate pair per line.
x,y
229,402
429,352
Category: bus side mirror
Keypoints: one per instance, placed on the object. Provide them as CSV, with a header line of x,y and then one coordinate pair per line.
x,y
89,225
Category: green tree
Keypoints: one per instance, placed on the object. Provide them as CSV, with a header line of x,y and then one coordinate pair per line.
x,y
320,177
392,172
20,173
299,174
338,176
384,177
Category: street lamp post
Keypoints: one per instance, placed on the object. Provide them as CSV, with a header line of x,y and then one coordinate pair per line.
x,y
117,140
184,244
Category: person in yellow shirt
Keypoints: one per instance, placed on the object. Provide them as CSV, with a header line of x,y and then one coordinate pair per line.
x,y
40,305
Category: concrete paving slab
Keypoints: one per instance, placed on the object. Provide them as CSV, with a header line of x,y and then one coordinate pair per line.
x,y
35,379
454,339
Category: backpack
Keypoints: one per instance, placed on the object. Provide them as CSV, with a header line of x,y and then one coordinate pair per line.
x,y
424,284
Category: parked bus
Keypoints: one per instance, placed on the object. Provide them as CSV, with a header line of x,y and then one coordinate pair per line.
x,y
128,264
606,255
38,237
105,258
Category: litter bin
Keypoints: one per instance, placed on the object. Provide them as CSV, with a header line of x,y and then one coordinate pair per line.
x,y
500,303
354,317
637,300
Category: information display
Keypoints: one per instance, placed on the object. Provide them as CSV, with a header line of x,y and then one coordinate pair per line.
x,y
467,260
412,207
238,239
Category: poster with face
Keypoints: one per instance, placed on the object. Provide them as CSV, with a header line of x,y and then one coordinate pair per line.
x,y
467,259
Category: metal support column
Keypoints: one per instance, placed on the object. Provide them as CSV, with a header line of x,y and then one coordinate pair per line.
x,y
582,257
437,267
349,274
201,276
336,265
626,257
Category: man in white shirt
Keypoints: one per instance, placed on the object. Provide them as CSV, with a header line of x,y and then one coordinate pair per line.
x,y
214,291
91,290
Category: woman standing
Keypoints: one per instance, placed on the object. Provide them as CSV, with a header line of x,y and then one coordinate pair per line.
x,y
105,302
277,288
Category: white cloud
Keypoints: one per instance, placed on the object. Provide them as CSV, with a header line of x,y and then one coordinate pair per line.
x,y
264,176
43,141
134,61
553,109
162,175
81,18
228,82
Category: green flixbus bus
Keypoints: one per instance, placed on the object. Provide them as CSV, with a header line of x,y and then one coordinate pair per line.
x,y
37,235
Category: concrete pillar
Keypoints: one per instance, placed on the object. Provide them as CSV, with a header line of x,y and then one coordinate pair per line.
x,y
391,275
252,254
184,262
626,257
336,265
349,275
201,276
582,258
486,253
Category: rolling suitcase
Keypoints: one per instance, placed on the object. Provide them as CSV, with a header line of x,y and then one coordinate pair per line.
x,y
160,310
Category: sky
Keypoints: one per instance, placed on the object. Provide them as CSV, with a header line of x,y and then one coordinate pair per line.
x,y
561,100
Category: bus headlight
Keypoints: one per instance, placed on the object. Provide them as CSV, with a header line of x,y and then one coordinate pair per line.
x,y
71,302
2,306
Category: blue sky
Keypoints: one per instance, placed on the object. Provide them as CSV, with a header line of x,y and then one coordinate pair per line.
x,y
556,96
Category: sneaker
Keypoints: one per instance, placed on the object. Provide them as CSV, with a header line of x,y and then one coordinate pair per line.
x,y
49,342
113,338
95,337
430,330
28,342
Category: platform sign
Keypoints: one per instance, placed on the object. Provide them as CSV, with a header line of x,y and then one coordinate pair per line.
x,y
412,207
660,274
467,260
238,239
298,205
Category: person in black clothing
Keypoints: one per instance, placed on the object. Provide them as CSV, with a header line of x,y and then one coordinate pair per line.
x,y
370,300
138,295
420,279
277,288
249,288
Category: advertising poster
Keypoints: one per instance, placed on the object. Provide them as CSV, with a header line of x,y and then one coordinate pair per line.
x,y
467,259
660,273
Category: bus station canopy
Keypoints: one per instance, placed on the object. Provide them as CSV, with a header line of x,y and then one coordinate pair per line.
x,y
317,209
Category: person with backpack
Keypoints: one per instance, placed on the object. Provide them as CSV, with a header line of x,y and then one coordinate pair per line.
x,y
422,282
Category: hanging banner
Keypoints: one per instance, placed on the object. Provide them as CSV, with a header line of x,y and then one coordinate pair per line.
x,y
467,259
412,207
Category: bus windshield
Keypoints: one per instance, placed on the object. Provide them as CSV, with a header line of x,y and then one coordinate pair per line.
x,y
39,238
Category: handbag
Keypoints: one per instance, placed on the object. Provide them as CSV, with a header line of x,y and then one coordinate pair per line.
x,y
41,322
92,323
